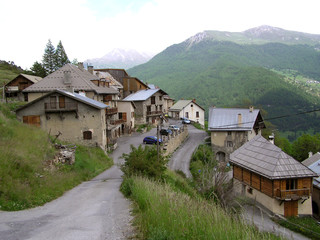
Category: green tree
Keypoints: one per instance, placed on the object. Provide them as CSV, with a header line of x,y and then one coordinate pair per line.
x,y
61,57
48,59
305,144
38,70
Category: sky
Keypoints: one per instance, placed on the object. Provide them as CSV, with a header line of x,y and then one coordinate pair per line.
x,y
91,28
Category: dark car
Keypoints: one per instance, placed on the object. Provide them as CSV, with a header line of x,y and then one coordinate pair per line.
x,y
151,140
165,132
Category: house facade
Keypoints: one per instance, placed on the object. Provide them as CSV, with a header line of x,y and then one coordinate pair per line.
x,y
187,109
313,162
263,172
14,88
230,128
126,112
149,105
79,119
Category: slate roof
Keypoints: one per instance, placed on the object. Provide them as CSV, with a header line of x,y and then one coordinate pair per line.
x,y
142,95
264,158
313,163
226,119
80,80
75,96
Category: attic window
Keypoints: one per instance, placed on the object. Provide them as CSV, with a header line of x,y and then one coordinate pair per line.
x,y
87,135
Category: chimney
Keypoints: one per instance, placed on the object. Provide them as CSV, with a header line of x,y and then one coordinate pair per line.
x,y
310,154
90,69
194,100
239,119
80,66
67,77
251,108
271,138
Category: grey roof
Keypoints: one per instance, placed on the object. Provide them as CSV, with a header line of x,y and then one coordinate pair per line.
x,y
314,158
80,80
75,96
142,95
313,163
32,78
181,104
264,158
226,119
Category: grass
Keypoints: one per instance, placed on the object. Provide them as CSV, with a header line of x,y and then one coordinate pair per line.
x,y
163,212
307,226
141,127
27,176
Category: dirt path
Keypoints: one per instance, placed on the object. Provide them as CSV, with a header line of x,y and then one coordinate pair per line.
x,y
93,210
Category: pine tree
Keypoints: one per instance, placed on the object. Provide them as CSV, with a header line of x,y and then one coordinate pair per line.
x,y
48,60
61,57
38,69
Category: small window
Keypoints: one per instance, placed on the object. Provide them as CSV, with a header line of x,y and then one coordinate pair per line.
x,y
197,114
120,115
191,105
87,135
153,100
291,184
250,190
229,144
229,133
160,98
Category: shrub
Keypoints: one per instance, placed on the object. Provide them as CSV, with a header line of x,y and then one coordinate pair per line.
x,y
145,162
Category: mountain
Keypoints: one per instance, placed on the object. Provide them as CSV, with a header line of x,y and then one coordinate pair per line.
x,y
120,58
236,69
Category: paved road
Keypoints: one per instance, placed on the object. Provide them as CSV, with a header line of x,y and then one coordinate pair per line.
x,y
180,159
93,210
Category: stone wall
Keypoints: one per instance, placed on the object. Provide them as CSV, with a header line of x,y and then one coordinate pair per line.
x,y
172,142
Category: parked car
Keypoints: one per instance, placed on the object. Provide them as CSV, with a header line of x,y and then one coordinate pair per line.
x,y
174,127
165,132
151,140
186,121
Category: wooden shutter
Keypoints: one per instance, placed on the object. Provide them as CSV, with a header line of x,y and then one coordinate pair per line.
x,y
124,116
62,102
32,120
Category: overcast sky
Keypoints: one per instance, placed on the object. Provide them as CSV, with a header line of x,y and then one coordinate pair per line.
x,y
91,28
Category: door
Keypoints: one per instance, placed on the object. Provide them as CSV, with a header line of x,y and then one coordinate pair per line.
x,y
291,208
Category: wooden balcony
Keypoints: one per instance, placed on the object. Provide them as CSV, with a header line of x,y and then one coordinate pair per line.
x,y
154,113
116,122
293,194
111,111
61,107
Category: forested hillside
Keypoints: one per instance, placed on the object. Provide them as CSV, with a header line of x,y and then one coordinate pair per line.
x,y
228,74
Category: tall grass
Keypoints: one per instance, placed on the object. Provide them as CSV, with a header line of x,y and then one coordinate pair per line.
x,y
27,176
163,213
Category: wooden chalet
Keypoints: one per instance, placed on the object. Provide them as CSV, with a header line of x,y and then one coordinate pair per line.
x,y
276,180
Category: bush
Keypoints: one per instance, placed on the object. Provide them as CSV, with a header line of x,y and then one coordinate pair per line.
x,y
144,162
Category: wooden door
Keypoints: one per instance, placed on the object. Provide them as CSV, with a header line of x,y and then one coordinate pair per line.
x,y
291,208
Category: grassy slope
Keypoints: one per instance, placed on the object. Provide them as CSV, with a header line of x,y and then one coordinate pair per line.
x,y
28,178
226,74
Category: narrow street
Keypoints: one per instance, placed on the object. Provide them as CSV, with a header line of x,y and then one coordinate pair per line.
x,y
93,210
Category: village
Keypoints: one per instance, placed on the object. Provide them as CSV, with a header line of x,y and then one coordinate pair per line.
x,y
96,107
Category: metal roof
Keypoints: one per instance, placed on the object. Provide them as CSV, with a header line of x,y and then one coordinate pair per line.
x,y
314,158
264,158
79,80
141,95
32,78
313,163
226,119
181,104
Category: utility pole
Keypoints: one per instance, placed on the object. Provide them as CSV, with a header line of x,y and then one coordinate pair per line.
x,y
158,142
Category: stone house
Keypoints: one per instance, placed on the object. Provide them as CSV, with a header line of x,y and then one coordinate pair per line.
x,y
14,88
149,105
76,79
187,109
263,172
313,162
78,118
126,112
231,128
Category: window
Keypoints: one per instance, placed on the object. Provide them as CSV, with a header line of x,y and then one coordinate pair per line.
x,y
160,98
187,115
191,105
120,115
229,144
148,108
62,102
107,98
197,114
153,100
291,184
87,135
229,133
53,102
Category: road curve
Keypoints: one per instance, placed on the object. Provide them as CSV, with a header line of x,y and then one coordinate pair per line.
x,y
180,159
93,210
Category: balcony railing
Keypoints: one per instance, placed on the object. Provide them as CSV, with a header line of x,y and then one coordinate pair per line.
x,y
151,113
60,107
110,111
116,122
293,194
